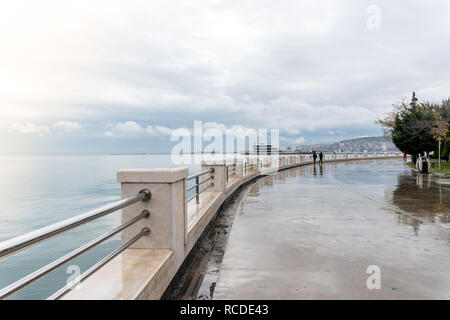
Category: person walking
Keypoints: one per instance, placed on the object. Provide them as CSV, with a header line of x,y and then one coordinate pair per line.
x,y
314,156
320,157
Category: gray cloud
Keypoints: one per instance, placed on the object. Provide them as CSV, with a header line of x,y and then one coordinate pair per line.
x,y
308,66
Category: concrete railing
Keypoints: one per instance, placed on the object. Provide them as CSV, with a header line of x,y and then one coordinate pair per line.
x,y
146,267
176,224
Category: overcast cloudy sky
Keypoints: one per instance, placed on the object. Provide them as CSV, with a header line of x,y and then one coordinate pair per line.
x,y
120,76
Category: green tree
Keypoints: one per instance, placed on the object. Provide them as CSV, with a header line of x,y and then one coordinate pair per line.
x,y
443,109
409,127
439,132
445,150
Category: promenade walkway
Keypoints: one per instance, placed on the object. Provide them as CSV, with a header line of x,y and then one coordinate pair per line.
x,y
305,234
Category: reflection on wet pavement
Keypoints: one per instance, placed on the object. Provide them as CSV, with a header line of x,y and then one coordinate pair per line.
x,y
420,199
312,232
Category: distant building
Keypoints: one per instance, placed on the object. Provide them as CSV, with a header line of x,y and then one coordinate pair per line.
x,y
263,148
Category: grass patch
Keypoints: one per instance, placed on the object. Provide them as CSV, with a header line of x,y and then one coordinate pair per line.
x,y
445,167
410,164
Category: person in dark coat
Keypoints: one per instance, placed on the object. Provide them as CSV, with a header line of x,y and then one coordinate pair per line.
x,y
320,157
314,156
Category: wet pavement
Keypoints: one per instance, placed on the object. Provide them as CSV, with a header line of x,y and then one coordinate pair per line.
x,y
307,233
197,277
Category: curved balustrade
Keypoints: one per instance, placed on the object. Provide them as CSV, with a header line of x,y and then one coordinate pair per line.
x,y
177,222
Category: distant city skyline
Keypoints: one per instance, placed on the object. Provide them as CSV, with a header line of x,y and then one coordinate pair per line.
x,y
359,144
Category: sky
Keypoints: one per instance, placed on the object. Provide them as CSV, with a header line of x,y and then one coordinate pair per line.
x,y
123,76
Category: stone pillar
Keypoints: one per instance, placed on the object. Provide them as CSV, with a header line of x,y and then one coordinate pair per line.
x,y
239,168
167,221
253,165
219,175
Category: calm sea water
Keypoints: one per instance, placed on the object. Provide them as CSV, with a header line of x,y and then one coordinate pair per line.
x,y
37,191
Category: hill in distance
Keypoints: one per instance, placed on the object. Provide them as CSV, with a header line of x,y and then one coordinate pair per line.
x,y
354,145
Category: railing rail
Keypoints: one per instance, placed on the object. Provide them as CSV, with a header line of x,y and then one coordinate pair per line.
x,y
16,244
98,265
199,174
230,168
198,183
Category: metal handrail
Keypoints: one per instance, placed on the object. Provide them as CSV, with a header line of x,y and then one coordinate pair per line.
x,y
30,278
211,170
197,195
18,243
197,184
98,265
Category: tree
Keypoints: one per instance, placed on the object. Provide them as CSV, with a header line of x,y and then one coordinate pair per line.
x,y
443,109
409,127
445,153
439,132
387,124
445,150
